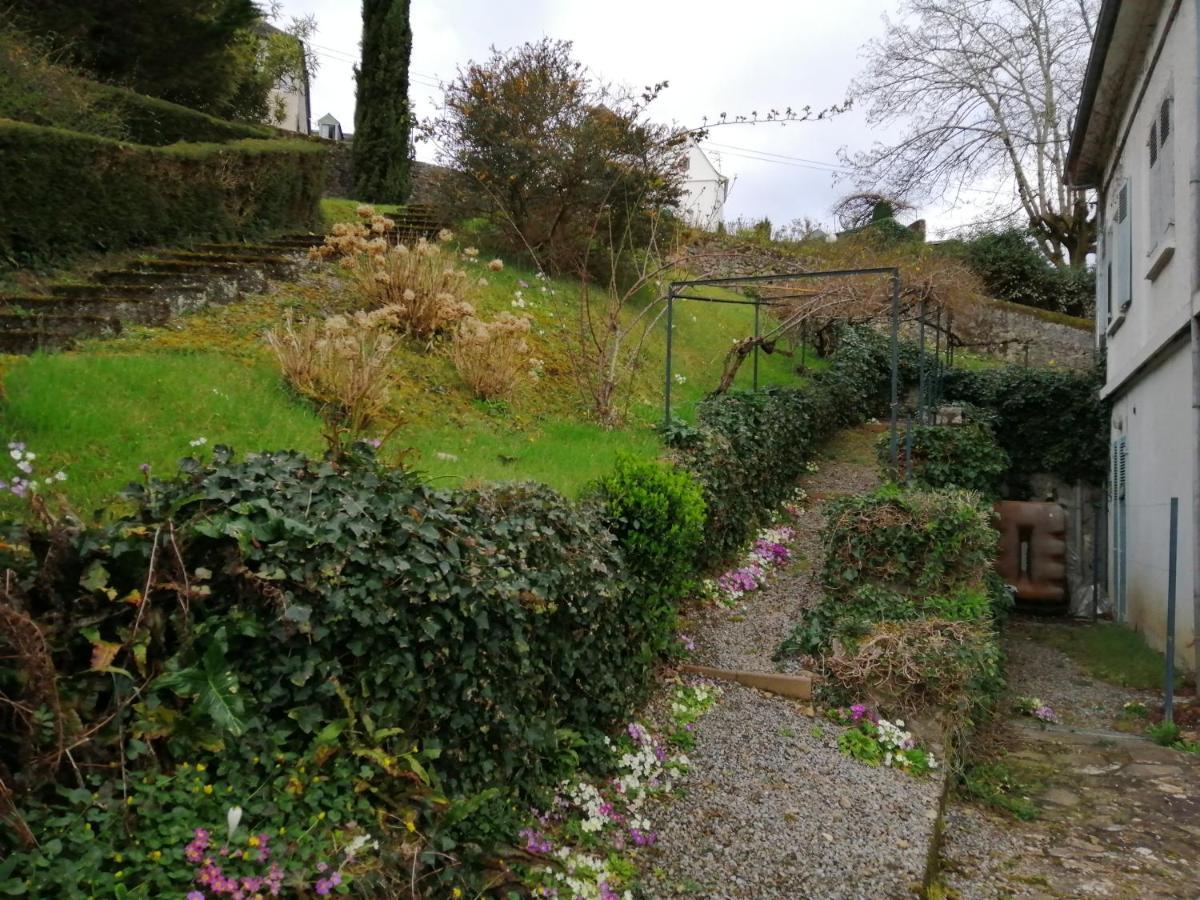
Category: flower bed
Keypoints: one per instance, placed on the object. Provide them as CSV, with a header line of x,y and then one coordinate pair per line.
x,y
595,827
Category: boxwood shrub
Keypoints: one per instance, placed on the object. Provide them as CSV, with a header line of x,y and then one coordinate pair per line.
x,y
64,192
657,513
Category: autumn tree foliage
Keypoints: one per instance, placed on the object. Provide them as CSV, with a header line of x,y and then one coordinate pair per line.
x,y
554,159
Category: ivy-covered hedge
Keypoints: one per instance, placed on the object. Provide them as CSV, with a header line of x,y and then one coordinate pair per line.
x,y
911,602
1047,420
367,646
64,192
966,457
750,448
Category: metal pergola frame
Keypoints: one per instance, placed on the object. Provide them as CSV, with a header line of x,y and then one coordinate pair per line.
x,y
677,290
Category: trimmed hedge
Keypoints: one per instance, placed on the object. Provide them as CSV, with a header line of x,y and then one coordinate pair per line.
x,y
64,192
148,120
751,447
656,512
1048,421
40,92
497,625
966,457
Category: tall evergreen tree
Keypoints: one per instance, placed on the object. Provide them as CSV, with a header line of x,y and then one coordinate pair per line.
x,y
382,117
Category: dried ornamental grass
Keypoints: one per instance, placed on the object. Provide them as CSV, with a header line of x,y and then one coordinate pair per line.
x,y
427,292
493,357
916,666
344,363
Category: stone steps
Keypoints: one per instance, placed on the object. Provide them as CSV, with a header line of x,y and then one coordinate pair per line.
x,y
147,291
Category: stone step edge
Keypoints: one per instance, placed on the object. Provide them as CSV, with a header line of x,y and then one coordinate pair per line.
x,y
798,687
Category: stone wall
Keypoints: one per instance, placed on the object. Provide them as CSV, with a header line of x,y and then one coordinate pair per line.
x,y
1023,334
1019,334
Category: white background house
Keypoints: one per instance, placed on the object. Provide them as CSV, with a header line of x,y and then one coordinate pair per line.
x,y
702,203
1136,143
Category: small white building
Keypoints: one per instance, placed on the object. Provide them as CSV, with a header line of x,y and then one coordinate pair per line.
x,y
702,203
1136,143
330,128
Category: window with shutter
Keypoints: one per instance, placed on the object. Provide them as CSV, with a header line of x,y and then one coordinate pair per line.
x,y
1166,168
1123,250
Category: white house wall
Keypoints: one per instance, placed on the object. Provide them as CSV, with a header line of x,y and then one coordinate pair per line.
x,y
294,106
1154,417
1149,362
1161,307
702,202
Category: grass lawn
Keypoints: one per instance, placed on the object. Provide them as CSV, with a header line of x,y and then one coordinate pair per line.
x,y
98,416
99,413
1107,651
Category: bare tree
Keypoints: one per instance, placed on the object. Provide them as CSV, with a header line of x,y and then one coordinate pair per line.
x,y
856,211
987,88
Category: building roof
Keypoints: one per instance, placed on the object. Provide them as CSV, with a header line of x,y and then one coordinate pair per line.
x,y
1124,32
328,119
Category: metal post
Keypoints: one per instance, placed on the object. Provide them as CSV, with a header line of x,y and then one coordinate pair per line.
x,y
757,304
892,448
908,442
1096,538
1172,562
921,387
949,343
670,329
937,360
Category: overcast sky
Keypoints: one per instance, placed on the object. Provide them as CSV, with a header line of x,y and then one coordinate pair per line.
x,y
718,57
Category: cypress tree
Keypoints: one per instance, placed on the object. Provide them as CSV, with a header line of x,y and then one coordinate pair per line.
x,y
381,116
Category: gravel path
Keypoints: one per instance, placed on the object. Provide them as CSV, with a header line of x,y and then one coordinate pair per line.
x,y
771,809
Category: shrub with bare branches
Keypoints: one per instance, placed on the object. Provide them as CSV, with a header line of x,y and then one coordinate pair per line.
x,y
493,357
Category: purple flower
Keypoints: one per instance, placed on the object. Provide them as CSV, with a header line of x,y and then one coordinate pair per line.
x,y
534,842
607,893
638,733
323,886
688,644
1045,714
195,895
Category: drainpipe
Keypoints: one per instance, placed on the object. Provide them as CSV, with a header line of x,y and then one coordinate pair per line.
x,y
1195,242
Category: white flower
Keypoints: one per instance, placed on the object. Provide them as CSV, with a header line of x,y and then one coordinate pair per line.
x,y
232,819
60,476
198,442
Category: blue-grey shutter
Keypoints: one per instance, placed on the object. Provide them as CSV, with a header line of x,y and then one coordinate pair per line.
x,y
1124,247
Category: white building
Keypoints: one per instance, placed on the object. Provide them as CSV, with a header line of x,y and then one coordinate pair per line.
x,y
289,100
1136,143
702,203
